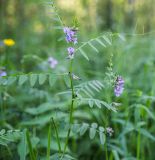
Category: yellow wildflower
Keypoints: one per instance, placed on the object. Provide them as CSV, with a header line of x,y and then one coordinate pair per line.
x,y
9,42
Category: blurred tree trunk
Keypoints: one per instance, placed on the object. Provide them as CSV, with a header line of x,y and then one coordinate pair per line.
x,y
92,13
105,14
109,19
2,2
20,17
3,16
149,20
129,18
145,16
89,12
20,28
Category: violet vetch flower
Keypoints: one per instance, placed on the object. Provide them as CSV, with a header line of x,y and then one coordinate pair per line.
x,y
2,73
119,86
75,40
52,62
70,35
66,30
71,51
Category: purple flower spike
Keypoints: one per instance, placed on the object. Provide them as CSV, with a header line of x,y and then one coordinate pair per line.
x,y
75,40
71,51
52,62
119,86
66,30
70,35
68,38
2,73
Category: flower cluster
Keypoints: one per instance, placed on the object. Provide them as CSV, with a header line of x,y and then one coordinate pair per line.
x,y
52,62
119,86
2,73
71,51
70,38
70,35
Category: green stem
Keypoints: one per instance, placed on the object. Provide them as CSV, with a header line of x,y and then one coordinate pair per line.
x,y
71,107
3,107
49,142
32,154
57,136
138,145
106,151
6,62
106,124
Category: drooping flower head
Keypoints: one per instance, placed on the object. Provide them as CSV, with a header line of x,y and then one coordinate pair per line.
x,y
52,62
70,35
119,86
71,52
9,42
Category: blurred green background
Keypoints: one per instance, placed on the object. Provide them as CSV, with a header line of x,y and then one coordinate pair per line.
x,y
31,24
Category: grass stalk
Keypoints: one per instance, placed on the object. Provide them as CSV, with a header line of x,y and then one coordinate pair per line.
x,y
138,144
57,136
106,151
49,143
32,154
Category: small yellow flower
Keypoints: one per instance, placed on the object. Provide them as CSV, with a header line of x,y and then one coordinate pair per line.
x,y
9,42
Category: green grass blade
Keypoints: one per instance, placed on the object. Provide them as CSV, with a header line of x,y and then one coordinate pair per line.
x,y
57,136
49,142
32,154
23,146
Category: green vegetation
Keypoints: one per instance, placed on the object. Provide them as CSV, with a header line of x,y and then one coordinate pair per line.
x,y
59,106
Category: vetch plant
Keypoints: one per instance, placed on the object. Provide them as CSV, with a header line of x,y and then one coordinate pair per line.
x,y
71,104
119,86
71,39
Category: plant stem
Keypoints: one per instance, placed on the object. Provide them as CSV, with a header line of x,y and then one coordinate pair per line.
x,y
49,142
71,107
32,154
57,136
72,88
138,144
106,123
106,151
